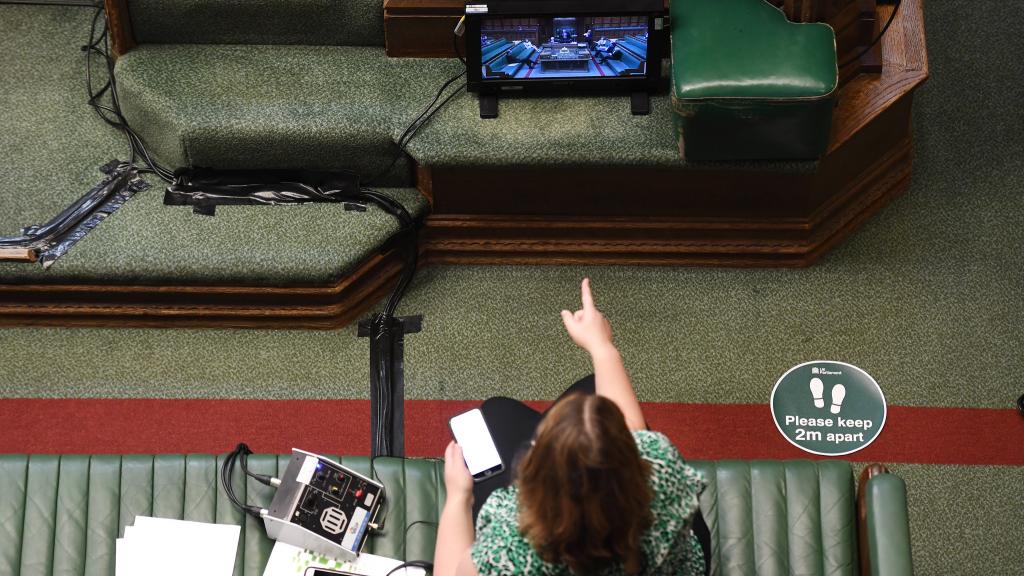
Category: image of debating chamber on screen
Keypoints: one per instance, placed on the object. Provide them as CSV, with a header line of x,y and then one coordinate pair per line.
x,y
563,47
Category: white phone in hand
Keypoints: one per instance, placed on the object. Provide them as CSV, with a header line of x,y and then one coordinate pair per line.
x,y
471,432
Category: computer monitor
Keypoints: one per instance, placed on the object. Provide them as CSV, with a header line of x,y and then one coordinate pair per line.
x,y
522,46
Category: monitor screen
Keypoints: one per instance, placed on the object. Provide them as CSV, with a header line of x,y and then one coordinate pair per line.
x,y
563,47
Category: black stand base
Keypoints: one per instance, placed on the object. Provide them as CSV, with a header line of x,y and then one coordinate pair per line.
x,y
640,103
488,106
387,381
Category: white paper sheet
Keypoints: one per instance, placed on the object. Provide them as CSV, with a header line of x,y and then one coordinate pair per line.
x,y
161,546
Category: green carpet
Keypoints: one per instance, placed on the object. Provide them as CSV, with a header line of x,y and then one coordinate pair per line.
x,y
53,144
926,297
325,107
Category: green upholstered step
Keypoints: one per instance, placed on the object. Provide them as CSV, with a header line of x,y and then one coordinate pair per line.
x,y
564,130
53,144
311,22
146,242
344,107
61,515
260,106
556,130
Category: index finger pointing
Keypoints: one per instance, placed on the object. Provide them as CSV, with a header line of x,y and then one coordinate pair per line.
x,y
588,298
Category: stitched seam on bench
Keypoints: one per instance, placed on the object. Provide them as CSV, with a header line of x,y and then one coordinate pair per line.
x,y
24,514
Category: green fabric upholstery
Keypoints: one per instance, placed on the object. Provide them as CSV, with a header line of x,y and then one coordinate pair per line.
x,y
749,84
492,50
888,528
310,22
315,107
62,514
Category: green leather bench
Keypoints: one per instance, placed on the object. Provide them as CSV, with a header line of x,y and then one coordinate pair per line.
x,y
61,514
747,84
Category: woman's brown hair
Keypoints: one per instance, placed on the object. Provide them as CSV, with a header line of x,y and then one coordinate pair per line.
x,y
584,497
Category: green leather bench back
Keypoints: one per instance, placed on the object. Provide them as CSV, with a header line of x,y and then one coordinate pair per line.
x,y
61,514
780,517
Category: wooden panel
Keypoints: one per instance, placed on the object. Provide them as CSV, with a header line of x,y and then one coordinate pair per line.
x,y
421,35
424,27
120,26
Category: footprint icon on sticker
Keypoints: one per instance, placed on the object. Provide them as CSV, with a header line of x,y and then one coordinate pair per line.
x,y
838,395
817,392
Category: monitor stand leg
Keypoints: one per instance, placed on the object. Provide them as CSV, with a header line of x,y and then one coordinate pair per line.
x,y
640,103
488,105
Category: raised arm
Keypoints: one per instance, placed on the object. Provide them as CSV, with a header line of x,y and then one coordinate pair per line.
x,y
590,330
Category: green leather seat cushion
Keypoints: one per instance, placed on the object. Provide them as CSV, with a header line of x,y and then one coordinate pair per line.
x,y
61,515
748,49
747,84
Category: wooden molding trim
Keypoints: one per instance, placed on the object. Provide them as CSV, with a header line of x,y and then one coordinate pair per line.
x,y
680,240
182,306
472,239
119,23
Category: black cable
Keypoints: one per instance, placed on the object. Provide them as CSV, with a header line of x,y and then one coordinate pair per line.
x,y
244,460
112,114
424,116
427,567
458,53
895,9
225,479
426,522
414,126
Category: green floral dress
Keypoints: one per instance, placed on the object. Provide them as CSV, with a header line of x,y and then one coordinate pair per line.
x,y
669,544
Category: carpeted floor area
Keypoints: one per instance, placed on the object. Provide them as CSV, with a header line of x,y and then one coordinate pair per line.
x,y
926,297
52,145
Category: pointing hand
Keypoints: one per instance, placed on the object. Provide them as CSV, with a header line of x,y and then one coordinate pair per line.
x,y
587,327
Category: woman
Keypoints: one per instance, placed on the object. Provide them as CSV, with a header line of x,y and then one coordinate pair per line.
x,y
595,492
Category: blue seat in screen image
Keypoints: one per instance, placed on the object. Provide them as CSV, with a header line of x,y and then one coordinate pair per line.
x,y
563,47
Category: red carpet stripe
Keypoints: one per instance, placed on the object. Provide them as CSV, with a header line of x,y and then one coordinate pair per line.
x,y
924,435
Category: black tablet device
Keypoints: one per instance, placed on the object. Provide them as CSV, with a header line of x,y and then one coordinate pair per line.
x,y
524,46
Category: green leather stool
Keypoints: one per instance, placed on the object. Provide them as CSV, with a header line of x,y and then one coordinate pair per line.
x,y
747,84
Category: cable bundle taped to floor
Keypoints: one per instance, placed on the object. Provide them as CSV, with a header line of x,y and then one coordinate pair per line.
x,y
48,242
205,189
